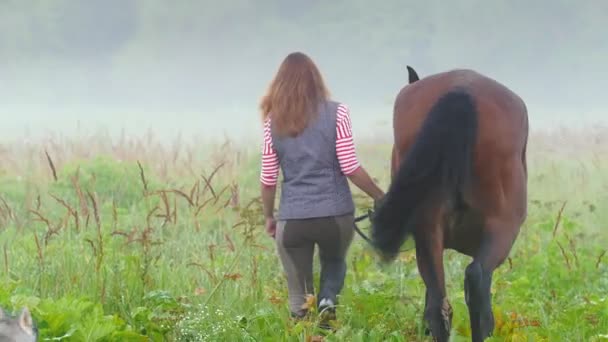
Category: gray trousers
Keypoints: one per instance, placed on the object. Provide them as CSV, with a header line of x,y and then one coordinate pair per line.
x,y
296,241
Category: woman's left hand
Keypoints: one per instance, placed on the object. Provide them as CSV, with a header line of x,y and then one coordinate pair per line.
x,y
271,226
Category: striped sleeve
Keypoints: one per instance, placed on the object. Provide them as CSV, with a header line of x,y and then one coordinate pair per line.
x,y
270,161
345,147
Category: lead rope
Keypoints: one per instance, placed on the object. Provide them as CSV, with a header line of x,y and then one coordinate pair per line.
x,y
363,236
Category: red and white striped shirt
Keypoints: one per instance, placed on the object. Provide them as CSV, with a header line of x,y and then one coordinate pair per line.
x,y
345,149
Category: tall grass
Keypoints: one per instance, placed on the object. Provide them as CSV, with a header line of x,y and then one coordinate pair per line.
x,y
133,240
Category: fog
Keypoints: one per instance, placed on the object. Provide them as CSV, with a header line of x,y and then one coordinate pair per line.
x,y
200,67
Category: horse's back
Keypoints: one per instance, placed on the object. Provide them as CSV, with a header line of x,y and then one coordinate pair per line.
x,y
502,114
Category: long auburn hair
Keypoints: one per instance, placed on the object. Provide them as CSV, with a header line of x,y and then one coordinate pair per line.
x,y
294,95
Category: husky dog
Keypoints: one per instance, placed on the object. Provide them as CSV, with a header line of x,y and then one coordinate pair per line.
x,y
20,329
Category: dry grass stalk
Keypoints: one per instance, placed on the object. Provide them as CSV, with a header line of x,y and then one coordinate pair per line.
x,y
208,186
51,164
64,221
235,199
211,251
227,203
174,210
9,211
183,194
100,249
217,198
165,200
599,259
38,202
148,217
208,180
49,233
50,230
73,212
95,210
564,255
217,168
229,271
130,236
194,191
3,218
212,276
573,249
559,218
200,207
224,206
239,224
40,255
142,176
93,248
84,208
146,242
253,201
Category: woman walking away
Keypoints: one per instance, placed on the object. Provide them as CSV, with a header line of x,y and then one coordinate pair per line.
x,y
309,138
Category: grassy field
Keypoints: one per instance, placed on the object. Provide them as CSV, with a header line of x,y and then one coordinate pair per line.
x,y
134,241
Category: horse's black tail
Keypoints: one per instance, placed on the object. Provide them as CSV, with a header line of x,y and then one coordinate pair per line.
x,y
438,167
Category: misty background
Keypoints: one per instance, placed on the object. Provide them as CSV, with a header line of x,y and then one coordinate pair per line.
x,y
200,67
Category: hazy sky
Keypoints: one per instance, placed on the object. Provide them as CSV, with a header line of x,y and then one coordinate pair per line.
x,y
200,67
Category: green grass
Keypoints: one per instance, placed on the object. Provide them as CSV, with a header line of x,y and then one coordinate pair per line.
x,y
98,256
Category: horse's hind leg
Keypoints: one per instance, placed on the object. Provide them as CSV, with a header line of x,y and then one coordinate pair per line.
x,y
427,330
477,284
429,257
494,249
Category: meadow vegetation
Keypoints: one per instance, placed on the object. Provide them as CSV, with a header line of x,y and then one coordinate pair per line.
x,y
132,240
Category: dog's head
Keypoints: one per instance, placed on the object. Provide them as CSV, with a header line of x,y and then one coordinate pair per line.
x,y
19,329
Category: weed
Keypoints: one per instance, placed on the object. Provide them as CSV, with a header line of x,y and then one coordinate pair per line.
x,y
141,242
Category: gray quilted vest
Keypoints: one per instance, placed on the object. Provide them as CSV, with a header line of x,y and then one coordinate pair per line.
x,y
313,184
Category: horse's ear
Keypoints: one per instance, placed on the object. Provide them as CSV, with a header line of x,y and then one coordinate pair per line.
x,y
413,75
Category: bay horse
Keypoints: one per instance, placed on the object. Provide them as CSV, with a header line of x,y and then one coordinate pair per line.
x,y
458,181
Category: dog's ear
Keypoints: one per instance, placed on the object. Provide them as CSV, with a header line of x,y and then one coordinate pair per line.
x,y
25,321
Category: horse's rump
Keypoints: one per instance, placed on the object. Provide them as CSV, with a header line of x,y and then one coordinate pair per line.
x,y
455,133
498,107
502,120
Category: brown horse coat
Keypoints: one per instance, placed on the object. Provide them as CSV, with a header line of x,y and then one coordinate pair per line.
x,y
500,152
459,181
